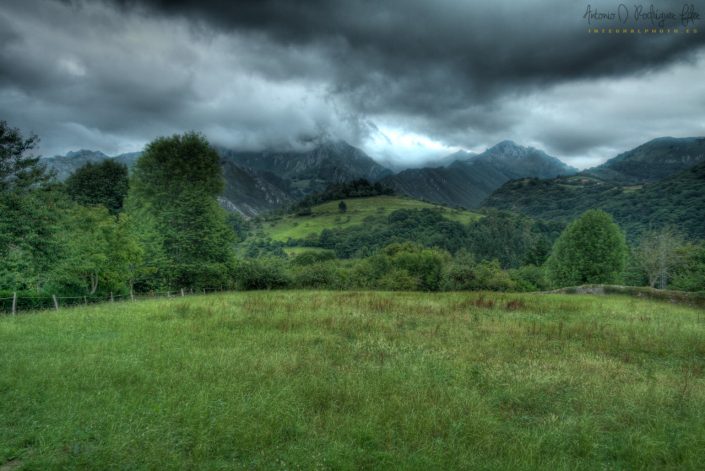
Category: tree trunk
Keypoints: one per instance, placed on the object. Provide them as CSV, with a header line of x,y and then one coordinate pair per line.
x,y
94,282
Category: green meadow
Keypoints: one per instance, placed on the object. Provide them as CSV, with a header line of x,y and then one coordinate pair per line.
x,y
355,380
328,216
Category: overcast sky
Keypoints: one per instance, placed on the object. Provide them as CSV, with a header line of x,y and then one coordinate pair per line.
x,y
403,79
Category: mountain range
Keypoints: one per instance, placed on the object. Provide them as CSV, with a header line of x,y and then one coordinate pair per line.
x,y
660,183
469,179
505,176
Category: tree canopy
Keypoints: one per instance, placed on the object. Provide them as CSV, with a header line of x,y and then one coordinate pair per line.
x,y
173,191
104,183
19,171
592,249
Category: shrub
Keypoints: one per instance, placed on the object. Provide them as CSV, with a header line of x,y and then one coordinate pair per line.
x,y
591,249
529,278
265,273
311,257
460,273
399,279
490,276
321,275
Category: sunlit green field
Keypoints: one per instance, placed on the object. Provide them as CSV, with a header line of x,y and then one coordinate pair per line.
x,y
328,216
345,380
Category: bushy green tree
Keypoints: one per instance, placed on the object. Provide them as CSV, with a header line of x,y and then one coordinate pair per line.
x,y
104,183
464,273
97,253
19,170
310,257
29,213
423,264
690,274
592,249
262,273
318,275
529,278
176,183
460,274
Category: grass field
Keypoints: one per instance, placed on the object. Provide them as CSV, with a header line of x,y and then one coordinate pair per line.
x,y
328,216
345,380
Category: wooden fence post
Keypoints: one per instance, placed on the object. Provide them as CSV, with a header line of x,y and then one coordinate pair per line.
x,y
182,292
112,300
56,302
14,303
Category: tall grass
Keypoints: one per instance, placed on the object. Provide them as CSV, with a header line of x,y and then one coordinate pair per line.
x,y
319,380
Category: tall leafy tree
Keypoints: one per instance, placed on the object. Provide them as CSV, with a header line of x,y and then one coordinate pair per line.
x,y
97,253
103,183
19,169
175,184
592,249
28,213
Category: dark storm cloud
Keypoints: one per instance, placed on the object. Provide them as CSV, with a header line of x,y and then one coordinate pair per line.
x,y
256,73
439,53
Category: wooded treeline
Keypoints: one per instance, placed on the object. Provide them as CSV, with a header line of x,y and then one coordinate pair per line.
x,y
103,231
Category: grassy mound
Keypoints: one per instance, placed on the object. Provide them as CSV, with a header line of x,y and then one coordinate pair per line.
x,y
317,380
328,216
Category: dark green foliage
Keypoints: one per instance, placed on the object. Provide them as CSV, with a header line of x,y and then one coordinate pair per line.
x,y
240,226
304,211
104,183
690,274
413,261
262,273
29,224
427,227
591,249
170,166
464,273
652,161
175,185
318,275
529,278
353,189
677,201
97,254
311,257
261,247
29,213
19,171
511,239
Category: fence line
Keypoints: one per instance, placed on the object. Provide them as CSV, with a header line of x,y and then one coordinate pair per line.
x,y
52,301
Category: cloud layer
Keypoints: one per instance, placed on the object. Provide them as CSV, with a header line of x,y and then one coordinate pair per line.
x,y
403,79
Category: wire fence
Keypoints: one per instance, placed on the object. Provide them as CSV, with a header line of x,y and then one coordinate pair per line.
x,y
19,302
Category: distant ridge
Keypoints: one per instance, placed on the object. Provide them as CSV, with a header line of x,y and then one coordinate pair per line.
x,y
257,182
657,184
469,179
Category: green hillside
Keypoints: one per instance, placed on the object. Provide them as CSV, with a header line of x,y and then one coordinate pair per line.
x,y
355,380
677,201
328,216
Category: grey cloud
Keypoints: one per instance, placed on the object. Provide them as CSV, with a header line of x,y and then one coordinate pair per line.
x,y
276,72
